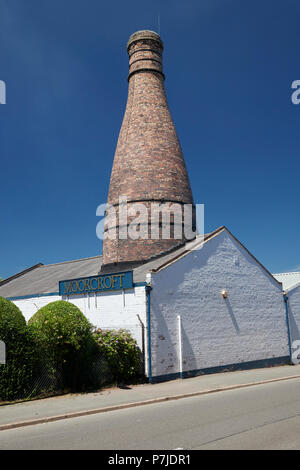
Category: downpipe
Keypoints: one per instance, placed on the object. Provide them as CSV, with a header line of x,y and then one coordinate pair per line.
x,y
148,290
286,301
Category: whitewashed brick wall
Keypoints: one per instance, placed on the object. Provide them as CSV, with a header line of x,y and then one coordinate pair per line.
x,y
294,313
111,310
249,325
31,305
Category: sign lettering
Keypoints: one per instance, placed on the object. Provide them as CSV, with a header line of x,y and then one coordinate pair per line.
x,y
104,282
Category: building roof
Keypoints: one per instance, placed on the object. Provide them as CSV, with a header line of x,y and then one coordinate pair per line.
x,y
154,265
44,279
289,280
163,261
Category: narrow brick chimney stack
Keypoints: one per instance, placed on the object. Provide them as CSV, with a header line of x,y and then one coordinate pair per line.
x,y
148,166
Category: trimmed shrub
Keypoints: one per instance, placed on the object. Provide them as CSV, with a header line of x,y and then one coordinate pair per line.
x,y
21,353
11,318
121,352
65,336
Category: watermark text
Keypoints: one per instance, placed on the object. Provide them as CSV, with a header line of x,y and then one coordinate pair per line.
x,y
2,92
296,94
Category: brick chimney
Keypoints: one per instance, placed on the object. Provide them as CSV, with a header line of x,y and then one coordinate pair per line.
x,y
148,166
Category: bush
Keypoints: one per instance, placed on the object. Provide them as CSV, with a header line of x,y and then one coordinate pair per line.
x,y
21,353
58,350
65,336
121,352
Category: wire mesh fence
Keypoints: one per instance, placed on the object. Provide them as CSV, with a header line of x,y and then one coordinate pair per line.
x,y
45,374
47,380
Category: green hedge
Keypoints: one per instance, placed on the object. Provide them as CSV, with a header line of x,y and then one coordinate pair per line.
x,y
21,353
65,336
59,350
121,352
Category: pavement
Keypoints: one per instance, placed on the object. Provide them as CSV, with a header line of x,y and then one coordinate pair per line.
x,y
76,405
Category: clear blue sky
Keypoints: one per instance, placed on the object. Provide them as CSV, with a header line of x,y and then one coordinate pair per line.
x,y
229,66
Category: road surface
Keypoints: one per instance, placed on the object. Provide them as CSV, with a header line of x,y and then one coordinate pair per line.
x,y
261,417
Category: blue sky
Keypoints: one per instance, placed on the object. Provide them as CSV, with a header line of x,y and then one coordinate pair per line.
x,y
229,67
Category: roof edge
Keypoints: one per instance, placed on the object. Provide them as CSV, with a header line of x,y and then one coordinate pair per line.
x,y
187,251
21,273
72,261
286,273
294,286
216,232
253,257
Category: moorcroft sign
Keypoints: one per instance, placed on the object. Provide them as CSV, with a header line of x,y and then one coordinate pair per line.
x,y
104,282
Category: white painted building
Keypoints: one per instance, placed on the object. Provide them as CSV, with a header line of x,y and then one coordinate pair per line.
x,y
291,287
244,326
207,306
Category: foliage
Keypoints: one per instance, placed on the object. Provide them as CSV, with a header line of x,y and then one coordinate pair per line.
x,y
61,327
11,319
121,352
65,336
58,350
21,353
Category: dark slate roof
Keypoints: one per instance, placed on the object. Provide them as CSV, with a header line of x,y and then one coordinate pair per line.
x,y
42,279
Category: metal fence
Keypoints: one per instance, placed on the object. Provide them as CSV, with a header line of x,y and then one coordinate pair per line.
x,y
87,374
47,381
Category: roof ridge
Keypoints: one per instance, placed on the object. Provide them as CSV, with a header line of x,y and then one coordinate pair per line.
x,y
199,238
202,239
253,257
71,261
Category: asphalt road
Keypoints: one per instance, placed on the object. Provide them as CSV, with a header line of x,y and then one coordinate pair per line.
x,y
260,417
